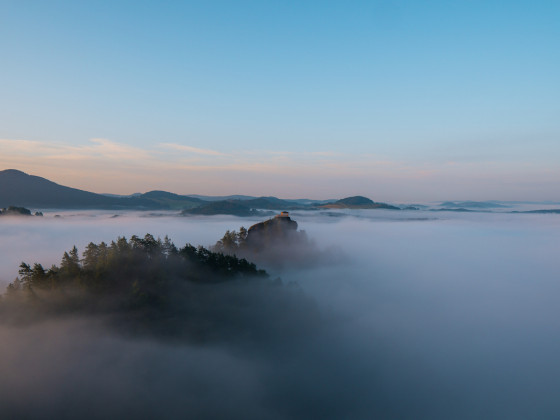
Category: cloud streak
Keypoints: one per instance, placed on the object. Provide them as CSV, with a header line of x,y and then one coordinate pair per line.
x,y
190,149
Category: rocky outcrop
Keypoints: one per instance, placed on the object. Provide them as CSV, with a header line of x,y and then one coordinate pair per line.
x,y
275,244
271,232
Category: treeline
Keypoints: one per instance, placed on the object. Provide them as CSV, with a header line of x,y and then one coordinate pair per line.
x,y
17,211
148,287
135,272
274,244
232,242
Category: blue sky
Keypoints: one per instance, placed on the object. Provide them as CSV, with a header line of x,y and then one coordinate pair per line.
x,y
396,100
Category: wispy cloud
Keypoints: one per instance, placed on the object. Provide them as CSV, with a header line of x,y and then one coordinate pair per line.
x,y
103,165
97,149
190,149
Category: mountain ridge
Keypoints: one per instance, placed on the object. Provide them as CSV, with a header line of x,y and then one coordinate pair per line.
x,y
18,188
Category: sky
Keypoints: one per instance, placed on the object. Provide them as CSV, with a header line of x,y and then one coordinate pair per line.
x,y
394,100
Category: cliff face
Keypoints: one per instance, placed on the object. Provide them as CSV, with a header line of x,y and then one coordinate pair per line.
x,y
275,231
274,244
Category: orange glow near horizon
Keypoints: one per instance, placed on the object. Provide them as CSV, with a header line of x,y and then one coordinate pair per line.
x,y
104,166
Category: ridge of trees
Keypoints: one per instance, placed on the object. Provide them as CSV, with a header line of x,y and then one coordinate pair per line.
x,y
17,211
232,243
148,287
135,272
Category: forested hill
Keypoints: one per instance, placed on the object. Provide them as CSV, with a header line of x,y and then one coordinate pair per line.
x,y
141,283
357,202
136,268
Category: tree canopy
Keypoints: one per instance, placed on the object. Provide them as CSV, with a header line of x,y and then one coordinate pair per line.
x,y
134,272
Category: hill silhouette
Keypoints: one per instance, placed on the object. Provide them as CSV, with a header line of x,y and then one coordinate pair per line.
x,y
20,189
357,202
233,207
242,207
170,200
472,204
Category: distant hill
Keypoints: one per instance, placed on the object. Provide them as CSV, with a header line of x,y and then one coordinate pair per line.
x,y
293,202
357,202
221,197
458,210
271,203
309,202
243,207
20,189
172,201
543,211
232,207
472,204
266,203
122,195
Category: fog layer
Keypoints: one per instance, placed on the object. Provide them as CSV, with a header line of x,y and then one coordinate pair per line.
x,y
453,317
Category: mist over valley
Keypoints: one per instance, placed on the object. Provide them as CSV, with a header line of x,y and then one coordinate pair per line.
x,y
399,315
279,210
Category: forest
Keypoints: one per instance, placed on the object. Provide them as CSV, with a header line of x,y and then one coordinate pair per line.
x,y
150,286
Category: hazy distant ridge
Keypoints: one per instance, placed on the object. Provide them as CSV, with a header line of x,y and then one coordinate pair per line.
x,y
20,189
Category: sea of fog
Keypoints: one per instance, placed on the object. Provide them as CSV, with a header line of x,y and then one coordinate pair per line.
x,y
424,315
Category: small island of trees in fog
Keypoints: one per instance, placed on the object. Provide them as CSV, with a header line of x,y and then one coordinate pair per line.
x,y
150,286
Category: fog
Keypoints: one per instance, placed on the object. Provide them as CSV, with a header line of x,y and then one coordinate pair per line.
x,y
407,315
